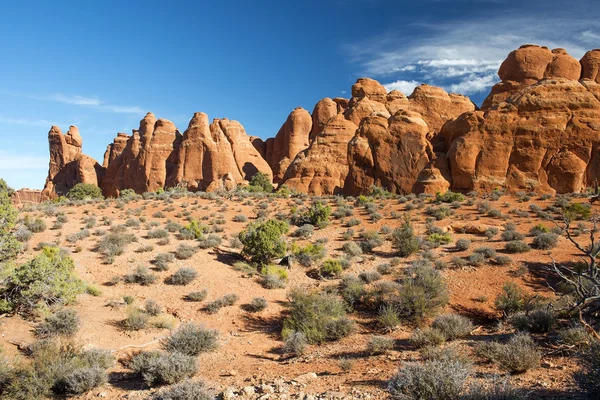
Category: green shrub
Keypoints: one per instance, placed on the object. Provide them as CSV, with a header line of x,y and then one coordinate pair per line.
x,y
114,244
310,254
440,238
192,340
331,268
83,191
352,249
260,182
272,281
539,228
305,231
423,292
47,279
64,322
453,326
589,378
186,390
264,241
9,245
539,320
404,239
449,197
157,367
389,316
440,212
183,276
578,211
35,225
319,316
511,234
431,380
511,300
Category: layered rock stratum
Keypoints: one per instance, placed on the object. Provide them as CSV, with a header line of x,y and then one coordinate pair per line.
x,y
539,128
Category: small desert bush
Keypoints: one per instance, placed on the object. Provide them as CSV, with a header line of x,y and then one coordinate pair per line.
x,y
423,292
225,301
210,241
185,251
427,337
319,316
310,254
199,295
305,231
140,275
519,354
83,191
186,390
136,320
192,340
545,241
352,249
331,268
538,320
272,281
64,322
516,246
430,380
511,300
404,239
369,240
152,307
389,316
379,344
157,234
295,343
453,326
183,276
162,261
257,304
157,367
463,244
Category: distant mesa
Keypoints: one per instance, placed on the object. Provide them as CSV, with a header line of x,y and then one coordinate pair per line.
x,y
538,129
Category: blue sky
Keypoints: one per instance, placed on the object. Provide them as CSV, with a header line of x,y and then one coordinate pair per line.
x,y
101,65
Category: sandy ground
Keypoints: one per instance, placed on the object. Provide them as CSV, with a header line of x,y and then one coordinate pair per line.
x,y
250,351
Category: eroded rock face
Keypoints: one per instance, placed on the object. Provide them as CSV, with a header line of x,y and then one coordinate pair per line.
x,y
526,66
146,159
388,152
25,196
590,65
546,137
292,138
323,167
216,156
68,165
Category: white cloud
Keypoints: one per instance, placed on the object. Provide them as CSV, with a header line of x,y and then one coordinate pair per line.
x,y
26,121
405,87
473,84
464,56
84,101
77,100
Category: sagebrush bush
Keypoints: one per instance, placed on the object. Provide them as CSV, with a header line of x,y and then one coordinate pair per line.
x,y
114,244
186,390
519,354
136,320
352,249
331,268
305,231
295,343
65,322
320,316
152,307
162,261
389,316
539,320
157,367
199,295
430,380
423,292
463,244
453,326
225,301
380,344
84,379
516,246
427,337
185,251
140,275
369,240
511,300
183,276
272,281
369,276
545,241
404,239
210,241
192,340
257,304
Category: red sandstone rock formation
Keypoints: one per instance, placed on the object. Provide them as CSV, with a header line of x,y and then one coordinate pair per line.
x,y
68,166
25,196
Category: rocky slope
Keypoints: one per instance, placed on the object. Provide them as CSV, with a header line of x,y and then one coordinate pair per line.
x,y
538,128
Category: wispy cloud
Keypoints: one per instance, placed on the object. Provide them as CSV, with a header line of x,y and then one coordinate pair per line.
x,y
91,102
403,86
12,162
464,56
26,121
